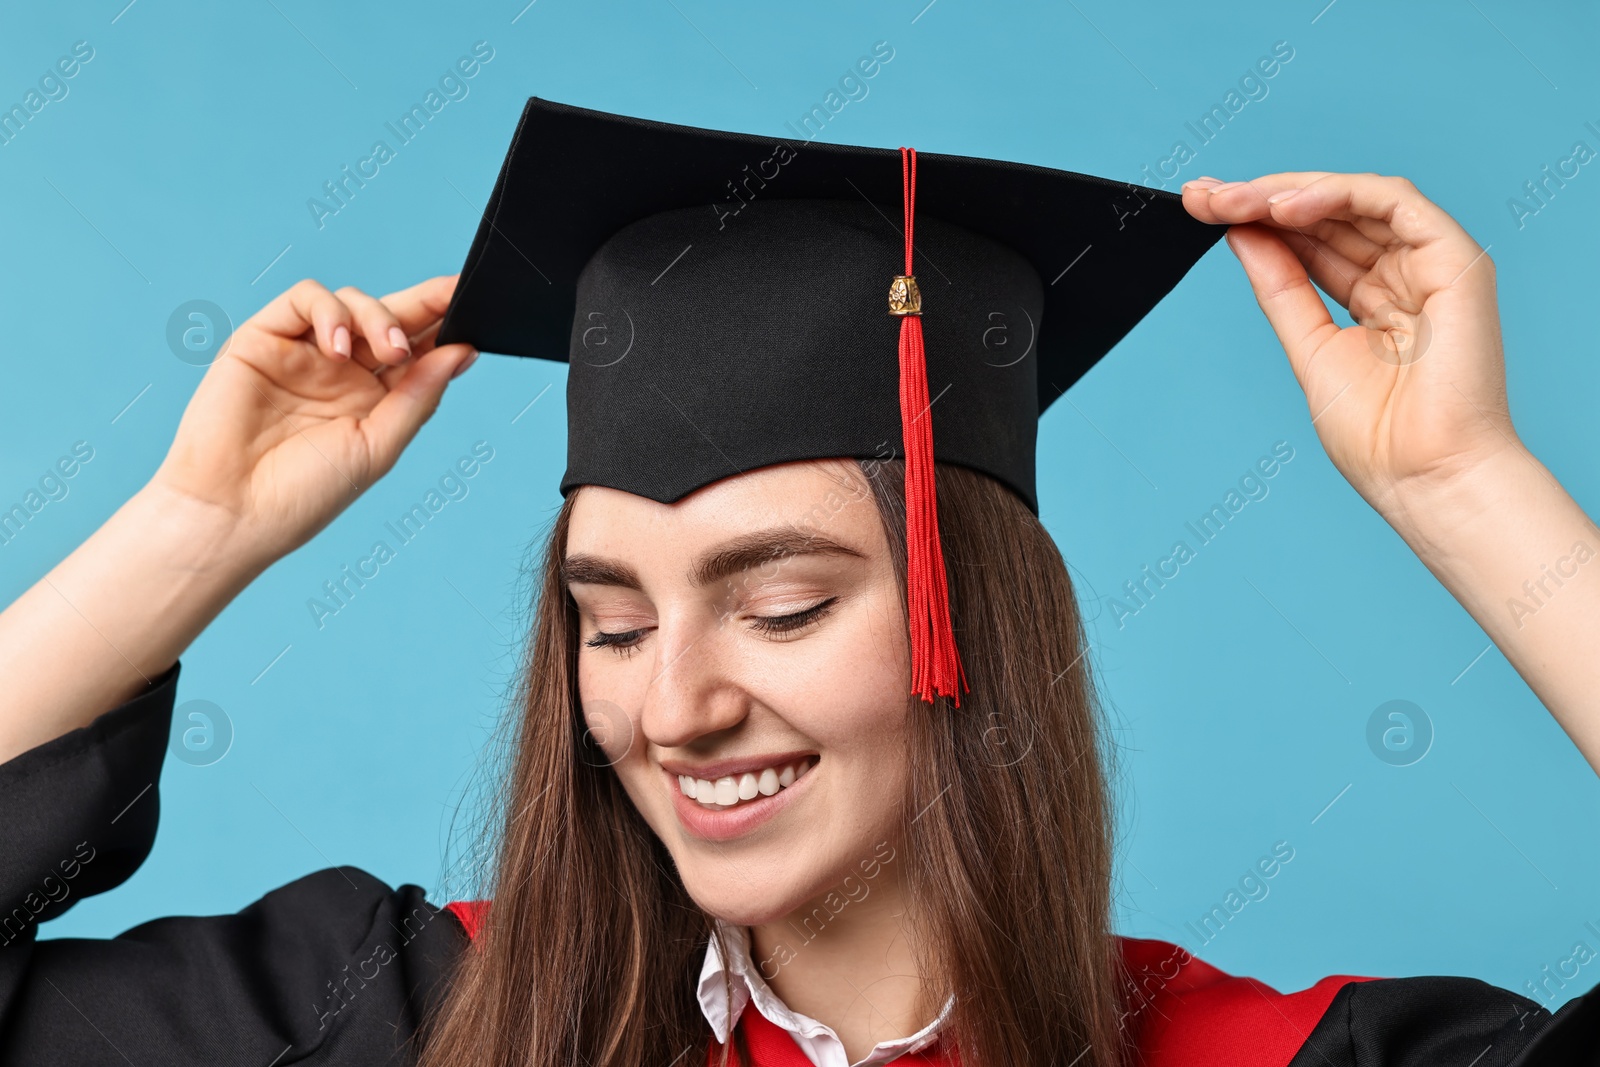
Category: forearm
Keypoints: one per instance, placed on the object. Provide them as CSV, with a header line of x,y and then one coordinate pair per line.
x,y
114,614
1524,559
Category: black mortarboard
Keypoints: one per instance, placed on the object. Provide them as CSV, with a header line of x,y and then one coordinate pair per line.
x,y
721,300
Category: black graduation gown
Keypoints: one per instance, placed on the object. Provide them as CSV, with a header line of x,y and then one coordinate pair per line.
x,y
338,967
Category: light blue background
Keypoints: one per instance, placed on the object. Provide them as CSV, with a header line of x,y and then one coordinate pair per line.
x,y
178,168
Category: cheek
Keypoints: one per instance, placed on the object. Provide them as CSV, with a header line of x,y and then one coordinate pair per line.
x,y
610,690
868,724
851,697
862,658
613,739
611,736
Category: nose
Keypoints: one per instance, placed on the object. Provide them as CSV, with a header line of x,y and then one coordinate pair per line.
x,y
694,691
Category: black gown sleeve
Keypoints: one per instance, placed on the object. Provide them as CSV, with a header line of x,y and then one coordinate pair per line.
x,y
1418,1022
335,967
1182,1012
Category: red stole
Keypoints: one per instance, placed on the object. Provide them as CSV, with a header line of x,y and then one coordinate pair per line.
x,y
1181,1012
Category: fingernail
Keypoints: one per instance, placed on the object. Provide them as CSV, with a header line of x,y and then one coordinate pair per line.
x,y
1278,198
1226,185
397,338
341,341
1199,183
1209,178
471,356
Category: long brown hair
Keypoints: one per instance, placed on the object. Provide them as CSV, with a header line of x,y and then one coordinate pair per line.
x,y
591,951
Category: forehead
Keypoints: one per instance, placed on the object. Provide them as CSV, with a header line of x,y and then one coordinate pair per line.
x,y
830,496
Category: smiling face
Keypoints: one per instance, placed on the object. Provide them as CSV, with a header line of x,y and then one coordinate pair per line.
x,y
747,643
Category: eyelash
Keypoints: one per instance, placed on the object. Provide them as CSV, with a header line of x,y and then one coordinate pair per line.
x,y
627,642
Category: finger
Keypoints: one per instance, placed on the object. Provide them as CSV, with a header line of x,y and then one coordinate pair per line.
x,y
1377,232
421,345
377,326
1375,228
1394,201
1337,234
1198,194
1284,290
424,341
414,395
423,304
1334,273
309,306
1345,238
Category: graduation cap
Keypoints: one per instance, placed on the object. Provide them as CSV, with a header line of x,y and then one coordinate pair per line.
x,y
728,301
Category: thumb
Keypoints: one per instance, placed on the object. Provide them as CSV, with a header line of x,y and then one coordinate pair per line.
x,y
1291,303
411,401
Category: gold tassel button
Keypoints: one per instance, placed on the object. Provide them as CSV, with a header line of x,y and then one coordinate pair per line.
x,y
904,296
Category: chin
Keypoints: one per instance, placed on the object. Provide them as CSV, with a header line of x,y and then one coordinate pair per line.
x,y
735,900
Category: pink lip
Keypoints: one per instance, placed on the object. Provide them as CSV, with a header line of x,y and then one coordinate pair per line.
x,y
710,825
732,768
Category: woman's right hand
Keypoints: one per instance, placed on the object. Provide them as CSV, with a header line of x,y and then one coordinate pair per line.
x,y
288,426
311,402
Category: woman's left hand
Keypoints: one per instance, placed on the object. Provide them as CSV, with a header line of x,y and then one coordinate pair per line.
x,y
1414,394
1410,404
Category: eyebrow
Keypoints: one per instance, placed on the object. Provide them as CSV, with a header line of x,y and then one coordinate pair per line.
x,y
729,558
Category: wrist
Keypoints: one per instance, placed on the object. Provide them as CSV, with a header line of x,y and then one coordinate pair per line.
x,y
202,539
1434,513
116,612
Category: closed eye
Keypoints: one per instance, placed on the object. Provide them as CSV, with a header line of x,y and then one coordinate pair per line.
x,y
625,642
773,624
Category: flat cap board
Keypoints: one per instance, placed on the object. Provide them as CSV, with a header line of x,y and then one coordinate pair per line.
x,y
1055,265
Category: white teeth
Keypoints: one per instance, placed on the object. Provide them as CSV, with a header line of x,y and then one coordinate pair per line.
x,y
728,791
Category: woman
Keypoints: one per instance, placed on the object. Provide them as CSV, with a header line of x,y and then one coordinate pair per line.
x,y
715,739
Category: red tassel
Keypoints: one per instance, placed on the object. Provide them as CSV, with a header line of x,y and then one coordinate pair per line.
x,y
935,664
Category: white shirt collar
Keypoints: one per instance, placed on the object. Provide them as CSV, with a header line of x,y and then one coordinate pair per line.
x,y
817,1040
